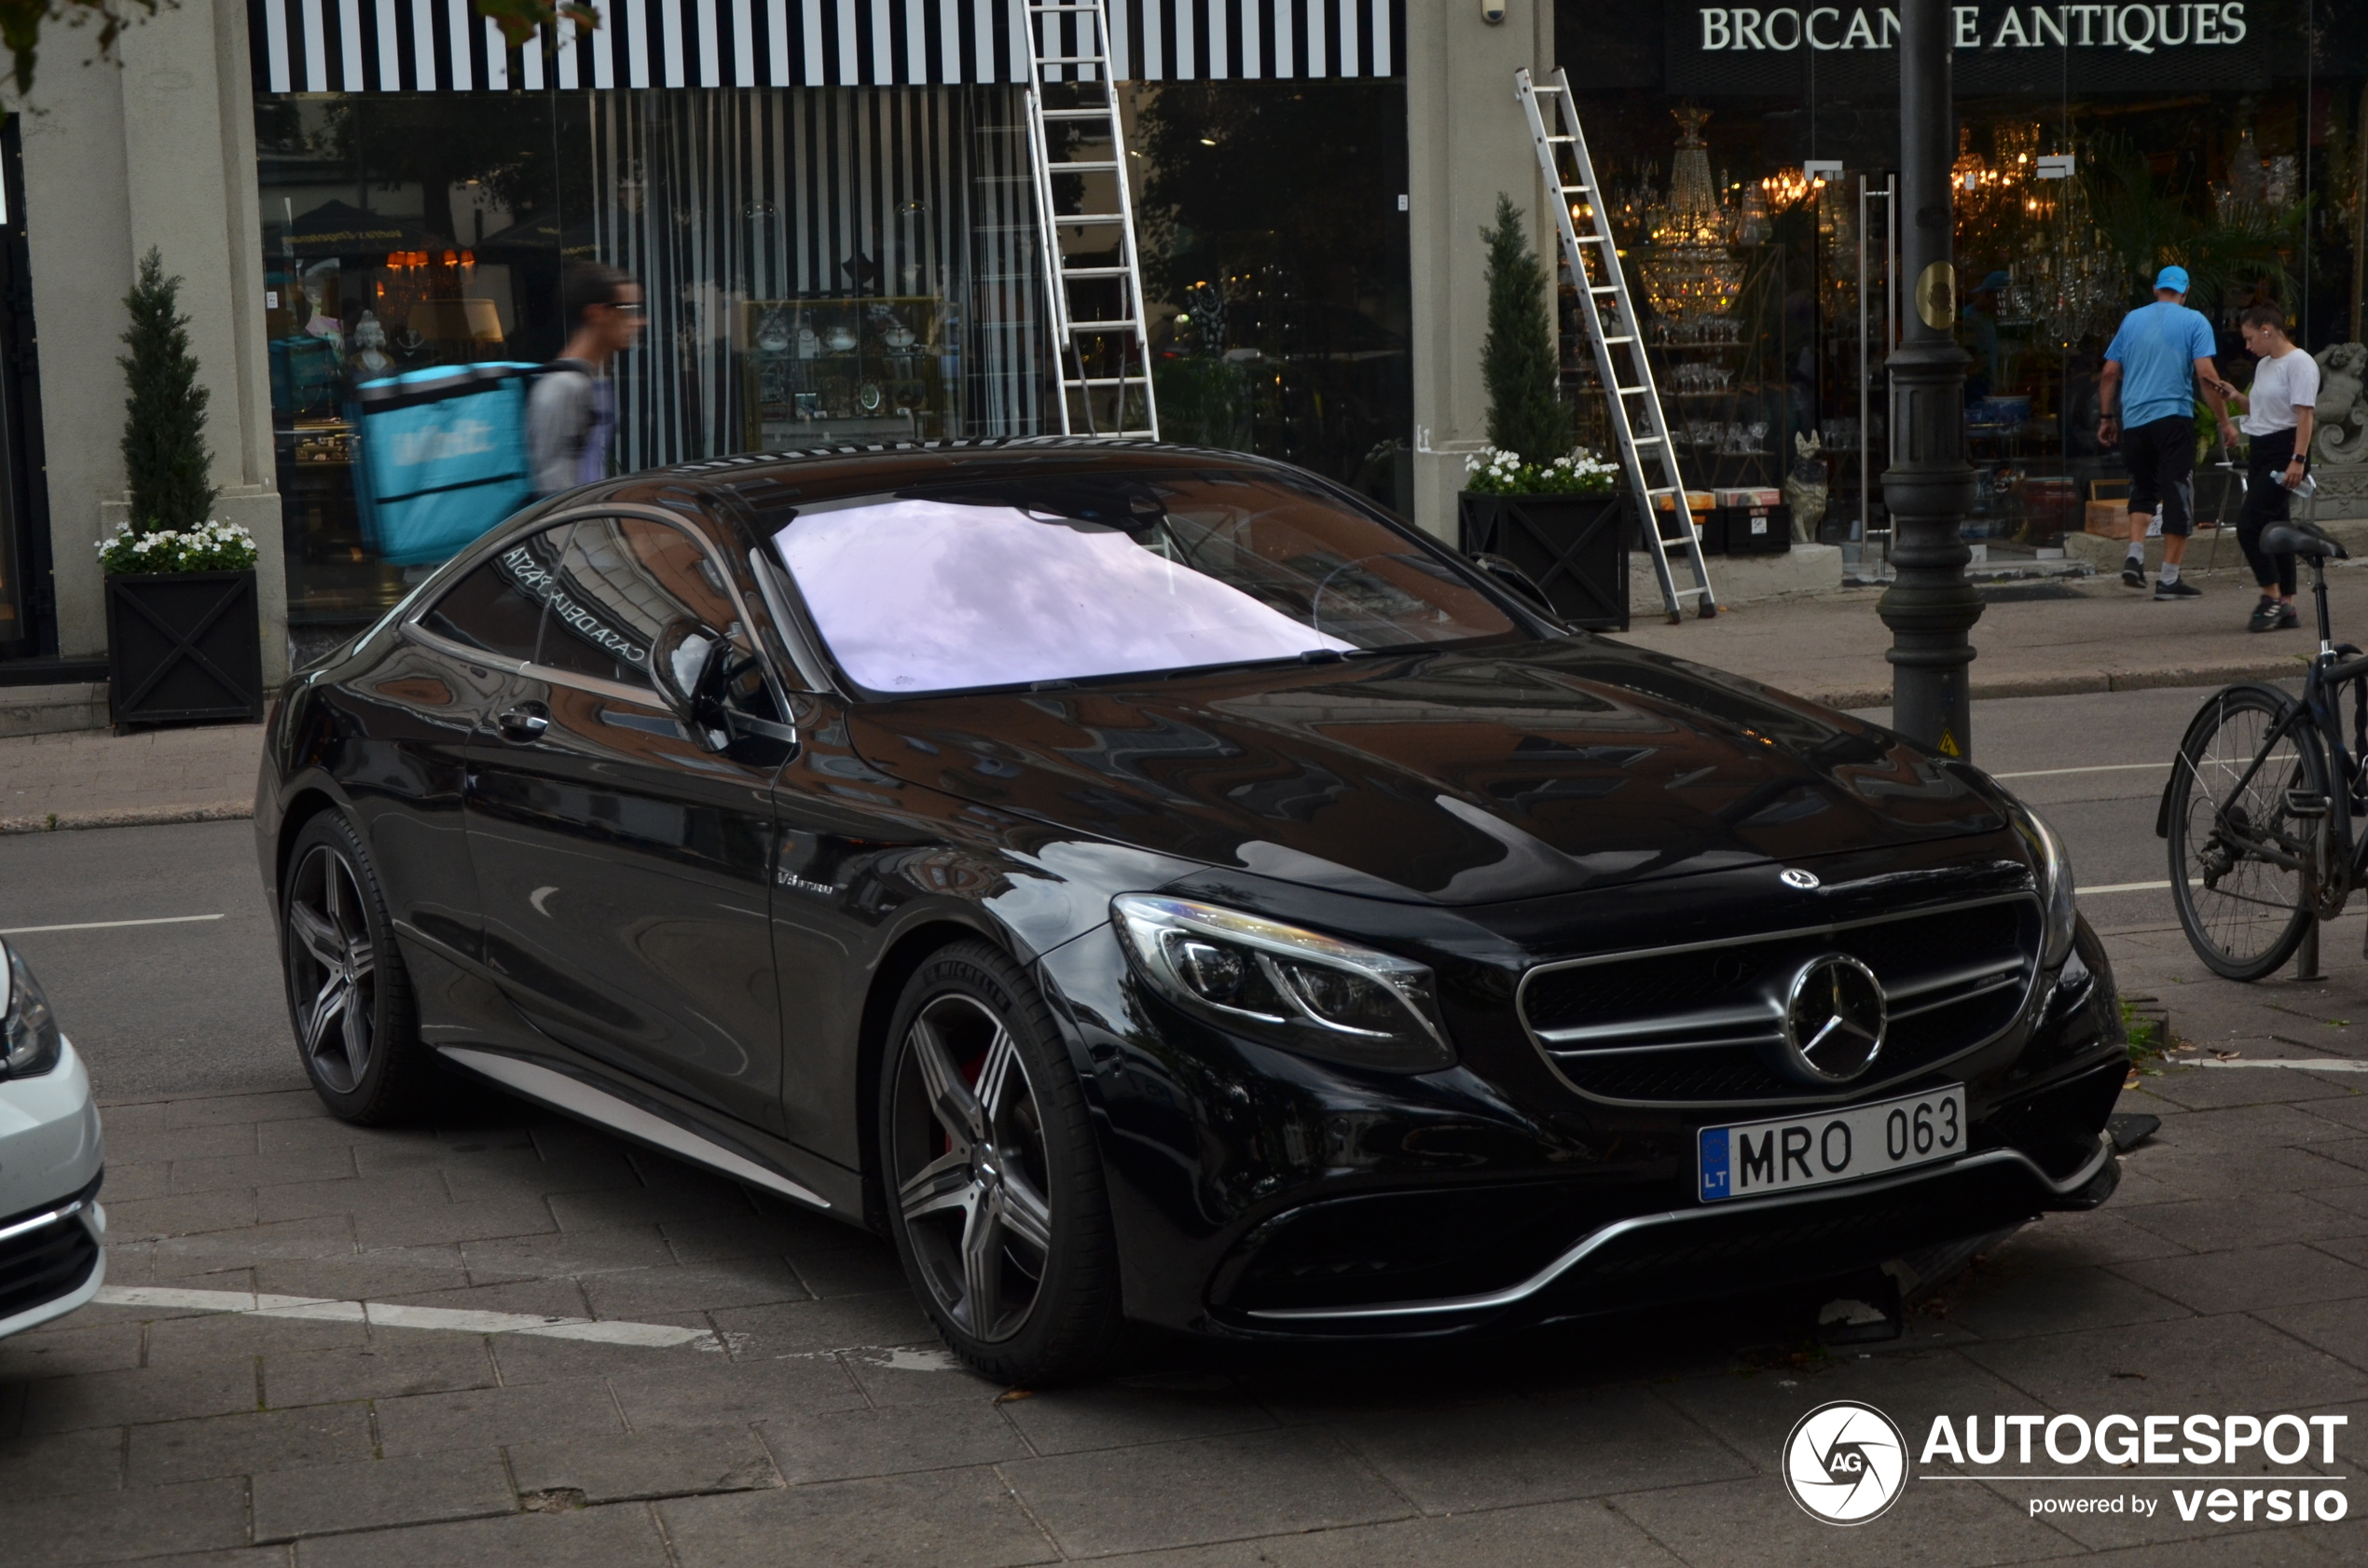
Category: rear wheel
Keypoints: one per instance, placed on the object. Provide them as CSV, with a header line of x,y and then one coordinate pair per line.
x,y
2243,913
348,997
995,1189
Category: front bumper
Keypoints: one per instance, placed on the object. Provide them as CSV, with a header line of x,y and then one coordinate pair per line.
x,y
52,1231
1680,1254
1260,1195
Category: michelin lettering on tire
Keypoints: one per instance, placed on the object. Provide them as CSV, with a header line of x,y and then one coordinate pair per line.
x,y
1845,1463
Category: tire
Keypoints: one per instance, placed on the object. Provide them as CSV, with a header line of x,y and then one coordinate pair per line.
x,y
2243,916
349,1000
992,1177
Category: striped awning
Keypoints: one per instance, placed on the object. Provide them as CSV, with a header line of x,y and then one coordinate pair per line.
x,y
443,46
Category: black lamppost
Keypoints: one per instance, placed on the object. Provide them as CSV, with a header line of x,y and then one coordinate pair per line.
x,y
1929,486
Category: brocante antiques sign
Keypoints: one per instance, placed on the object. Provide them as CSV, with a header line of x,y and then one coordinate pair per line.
x,y
1998,49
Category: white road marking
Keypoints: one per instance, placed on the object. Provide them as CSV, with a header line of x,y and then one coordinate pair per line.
x,y
2062,771
2135,887
109,925
2298,1064
384,1314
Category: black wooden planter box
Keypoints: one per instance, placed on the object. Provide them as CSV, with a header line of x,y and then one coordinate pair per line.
x,y
1574,547
183,646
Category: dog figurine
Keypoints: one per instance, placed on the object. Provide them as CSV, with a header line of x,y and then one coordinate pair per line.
x,y
1807,488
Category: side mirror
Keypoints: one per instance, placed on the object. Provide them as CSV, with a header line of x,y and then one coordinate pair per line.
x,y
694,666
685,662
1506,576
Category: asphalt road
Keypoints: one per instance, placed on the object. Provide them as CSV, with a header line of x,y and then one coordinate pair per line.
x,y
196,1008
162,1009
2094,766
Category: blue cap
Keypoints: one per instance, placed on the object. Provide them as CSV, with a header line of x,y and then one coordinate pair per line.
x,y
2173,279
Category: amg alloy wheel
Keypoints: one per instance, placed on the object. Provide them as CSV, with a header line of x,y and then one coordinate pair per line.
x,y
977,1213
994,1181
349,998
332,973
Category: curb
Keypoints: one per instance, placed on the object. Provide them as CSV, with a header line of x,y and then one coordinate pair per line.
x,y
130,816
2085,682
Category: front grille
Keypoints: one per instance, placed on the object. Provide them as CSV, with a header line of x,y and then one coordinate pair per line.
x,y
1701,1024
43,1264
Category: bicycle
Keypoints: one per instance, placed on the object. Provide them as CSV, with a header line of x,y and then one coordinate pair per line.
x,y
2261,844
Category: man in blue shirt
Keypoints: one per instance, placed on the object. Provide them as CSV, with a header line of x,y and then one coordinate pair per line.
x,y
2152,366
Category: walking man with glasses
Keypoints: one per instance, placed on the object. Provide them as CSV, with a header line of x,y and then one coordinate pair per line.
x,y
2153,367
570,414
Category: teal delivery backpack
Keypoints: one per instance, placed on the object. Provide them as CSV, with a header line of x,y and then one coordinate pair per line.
x,y
443,457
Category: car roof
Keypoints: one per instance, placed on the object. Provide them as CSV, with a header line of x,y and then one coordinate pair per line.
x,y
763,479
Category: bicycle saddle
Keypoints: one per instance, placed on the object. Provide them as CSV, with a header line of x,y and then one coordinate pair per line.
x,y
2302,539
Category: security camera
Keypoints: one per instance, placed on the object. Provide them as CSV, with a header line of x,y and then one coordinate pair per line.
x,y
1491,11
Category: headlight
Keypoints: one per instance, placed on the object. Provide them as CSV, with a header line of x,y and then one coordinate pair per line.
x,y
28,1029
2055,884
1305,992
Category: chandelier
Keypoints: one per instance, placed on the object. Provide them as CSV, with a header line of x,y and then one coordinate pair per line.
x,y
1691,271
2061,274
2258,189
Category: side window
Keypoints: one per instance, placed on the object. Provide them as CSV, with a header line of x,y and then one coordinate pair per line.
x,y
617,587
498,605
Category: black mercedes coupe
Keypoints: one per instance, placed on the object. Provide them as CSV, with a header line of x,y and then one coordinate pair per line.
x,y
1155,885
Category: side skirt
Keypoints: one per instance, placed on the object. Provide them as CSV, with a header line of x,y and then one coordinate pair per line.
x,y
593,1104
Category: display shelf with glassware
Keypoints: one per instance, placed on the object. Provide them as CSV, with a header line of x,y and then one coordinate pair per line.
x,y
824,370
1719,413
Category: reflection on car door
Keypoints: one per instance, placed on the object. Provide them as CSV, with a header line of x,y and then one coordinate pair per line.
x,y
625,871
433,695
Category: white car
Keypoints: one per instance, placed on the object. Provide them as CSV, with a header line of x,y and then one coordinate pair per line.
x,y
51,1227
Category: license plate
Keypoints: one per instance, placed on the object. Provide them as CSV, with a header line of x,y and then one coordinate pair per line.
x,y
1793,1152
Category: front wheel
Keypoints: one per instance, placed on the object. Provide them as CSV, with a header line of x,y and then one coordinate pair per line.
x,y
2231,805
993,1180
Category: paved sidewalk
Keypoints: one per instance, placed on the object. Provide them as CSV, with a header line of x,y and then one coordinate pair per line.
x,y
2036,639
94,778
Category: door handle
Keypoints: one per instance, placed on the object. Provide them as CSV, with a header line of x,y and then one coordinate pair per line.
x,y
526,721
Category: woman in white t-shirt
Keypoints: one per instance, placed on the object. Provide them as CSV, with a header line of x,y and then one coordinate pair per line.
x,y
2277,420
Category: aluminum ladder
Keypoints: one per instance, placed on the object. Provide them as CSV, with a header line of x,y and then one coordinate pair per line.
x,y
1102,361
1613,323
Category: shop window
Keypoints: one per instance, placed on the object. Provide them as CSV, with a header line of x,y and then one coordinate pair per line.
x,y
1276,265
2084,165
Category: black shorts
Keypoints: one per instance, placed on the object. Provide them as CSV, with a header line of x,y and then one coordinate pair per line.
x,y
2161,455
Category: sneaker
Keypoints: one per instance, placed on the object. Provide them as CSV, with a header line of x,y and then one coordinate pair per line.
x,y
2287,620
2132,575
2264,616
2181,589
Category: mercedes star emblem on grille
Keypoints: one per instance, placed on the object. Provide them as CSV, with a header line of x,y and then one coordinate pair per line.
x,y
1793,876
1834,1018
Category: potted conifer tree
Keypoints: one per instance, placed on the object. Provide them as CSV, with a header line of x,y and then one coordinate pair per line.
x,y
1532,500
185,638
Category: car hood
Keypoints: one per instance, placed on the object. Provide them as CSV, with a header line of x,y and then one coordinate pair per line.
x,y
1450,777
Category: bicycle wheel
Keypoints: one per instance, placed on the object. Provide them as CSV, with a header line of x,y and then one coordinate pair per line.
x,y
2243,914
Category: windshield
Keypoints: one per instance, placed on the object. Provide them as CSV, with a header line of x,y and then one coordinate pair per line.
x,y
1069,577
